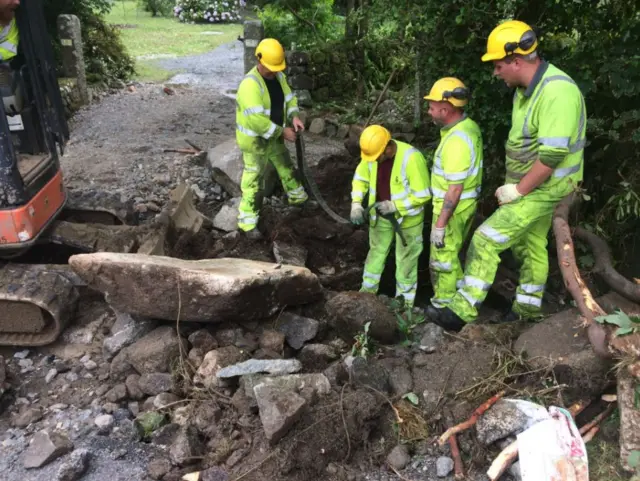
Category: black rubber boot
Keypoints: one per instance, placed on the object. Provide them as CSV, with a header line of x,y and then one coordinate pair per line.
x,y
445,318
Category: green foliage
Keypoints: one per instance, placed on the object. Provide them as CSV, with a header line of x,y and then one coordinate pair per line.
x,y
626,325
363,345
158,8
407,319
303,23
208,11
412,398
106,58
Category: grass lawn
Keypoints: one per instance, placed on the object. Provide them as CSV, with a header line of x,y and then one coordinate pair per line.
x,y
146,36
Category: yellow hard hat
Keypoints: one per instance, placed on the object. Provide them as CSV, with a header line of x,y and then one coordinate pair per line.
x,y
373,141
271,54
509,38
451,90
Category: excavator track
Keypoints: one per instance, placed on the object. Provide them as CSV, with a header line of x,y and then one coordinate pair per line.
x,y
36,304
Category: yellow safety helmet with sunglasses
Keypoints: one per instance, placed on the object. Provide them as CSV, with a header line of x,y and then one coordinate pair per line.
x,y
449,89
509,38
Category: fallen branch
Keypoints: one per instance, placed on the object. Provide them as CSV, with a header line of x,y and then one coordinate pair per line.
x,y
384,90
585,302
182,151
195,147
598,419
458,467
472,420
589,436
509,454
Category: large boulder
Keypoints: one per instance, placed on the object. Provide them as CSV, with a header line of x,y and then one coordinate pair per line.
x,y
560,343
351,311
208,290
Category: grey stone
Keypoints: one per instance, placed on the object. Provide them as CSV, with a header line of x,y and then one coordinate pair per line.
x,y
155,351
206,375
124,332
317,357
301,82
105,423
206,417
120,366
400,379
227,217
28,416
253,33
337,374
369,373
272,341
444,466
219,290
289,254
203,340
196,357
75,466
73,66
133,387
399,457
165,435
317,126
342,132
304,98
155,383
45,447
279,410
117,393
350,311
187,447
296,58
164,399
157,468
432,337
255,366
297,329
507,417
22,354
318,383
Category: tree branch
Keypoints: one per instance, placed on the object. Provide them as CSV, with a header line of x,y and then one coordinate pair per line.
x,y
302,19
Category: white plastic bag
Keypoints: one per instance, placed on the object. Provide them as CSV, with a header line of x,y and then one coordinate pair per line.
x,y
553,450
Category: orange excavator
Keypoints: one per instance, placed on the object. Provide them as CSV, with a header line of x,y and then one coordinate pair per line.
x,y
37,294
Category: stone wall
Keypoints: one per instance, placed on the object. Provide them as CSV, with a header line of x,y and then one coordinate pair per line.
x,y
299,80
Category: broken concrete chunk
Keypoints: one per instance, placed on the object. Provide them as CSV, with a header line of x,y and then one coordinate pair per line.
x,y
279,410
350,311
187,447
255,366
292,382
216,289
75,466
508,417
45,447
206,375
297,329
155,351
124,332
289,254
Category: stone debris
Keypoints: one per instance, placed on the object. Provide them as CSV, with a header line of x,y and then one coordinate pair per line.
x,y
279,410
75,466
46,446
255,366
297,329
444,466
399,457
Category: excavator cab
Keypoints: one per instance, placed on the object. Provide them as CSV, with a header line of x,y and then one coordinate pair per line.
x,y
33,133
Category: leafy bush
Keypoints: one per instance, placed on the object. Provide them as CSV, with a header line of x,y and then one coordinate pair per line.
x,y
211,11
105,56
161,8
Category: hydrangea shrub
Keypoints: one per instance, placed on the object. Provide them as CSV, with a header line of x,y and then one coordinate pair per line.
x,y
208,11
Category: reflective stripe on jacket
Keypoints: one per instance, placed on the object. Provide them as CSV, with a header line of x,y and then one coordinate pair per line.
x,y
410,185
9,39
253,108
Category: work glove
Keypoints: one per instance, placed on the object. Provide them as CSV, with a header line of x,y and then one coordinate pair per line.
x,y
357,213
507,194
386,207
437,236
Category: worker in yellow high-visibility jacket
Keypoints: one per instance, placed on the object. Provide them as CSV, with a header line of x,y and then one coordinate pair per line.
x,y
266,116
9,35
456,179
544,164
396,179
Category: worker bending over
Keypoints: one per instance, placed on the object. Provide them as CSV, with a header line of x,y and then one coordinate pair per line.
x,y
544,163
395,176
266,116
456,178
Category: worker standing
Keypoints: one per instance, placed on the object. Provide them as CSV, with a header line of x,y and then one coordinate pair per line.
x,y
9,35
395,176
544,163
266,116
456,179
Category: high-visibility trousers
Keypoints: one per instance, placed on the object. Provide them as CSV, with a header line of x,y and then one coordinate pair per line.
x,y
251,185
522,226
380,239
444,263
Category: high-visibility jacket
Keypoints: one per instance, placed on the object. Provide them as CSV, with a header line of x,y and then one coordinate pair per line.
x,y
549,122
253,107
458,160
410,185
9,39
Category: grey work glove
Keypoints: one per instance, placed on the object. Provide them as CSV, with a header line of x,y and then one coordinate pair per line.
x,y
386,207
357,213
437,236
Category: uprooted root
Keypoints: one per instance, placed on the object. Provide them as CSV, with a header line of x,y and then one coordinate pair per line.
x,y
414,426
